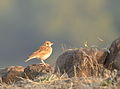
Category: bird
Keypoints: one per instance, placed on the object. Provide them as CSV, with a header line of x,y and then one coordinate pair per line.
x,y
42,53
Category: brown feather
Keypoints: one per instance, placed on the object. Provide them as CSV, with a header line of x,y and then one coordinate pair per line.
x,y
43,50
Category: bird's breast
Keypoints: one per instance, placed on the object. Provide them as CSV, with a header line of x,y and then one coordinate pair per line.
x,y
45,55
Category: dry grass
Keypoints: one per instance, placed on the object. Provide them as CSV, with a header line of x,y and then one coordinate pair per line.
x,y
52,81
101,79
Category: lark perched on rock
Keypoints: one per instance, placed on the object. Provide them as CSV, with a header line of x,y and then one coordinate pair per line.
x,y
43,52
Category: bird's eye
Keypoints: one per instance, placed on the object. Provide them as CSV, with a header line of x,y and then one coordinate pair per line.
x,y
47,43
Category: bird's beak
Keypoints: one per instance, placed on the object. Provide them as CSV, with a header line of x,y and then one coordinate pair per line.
x,y
52,43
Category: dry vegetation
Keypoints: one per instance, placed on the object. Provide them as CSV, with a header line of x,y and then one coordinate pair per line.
x,y
53,81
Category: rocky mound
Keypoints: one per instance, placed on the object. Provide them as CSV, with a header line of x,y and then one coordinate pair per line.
x,y
11,74
113,58
80,62
34,70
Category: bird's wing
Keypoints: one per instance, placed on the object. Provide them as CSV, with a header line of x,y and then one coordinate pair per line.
x,y
40,50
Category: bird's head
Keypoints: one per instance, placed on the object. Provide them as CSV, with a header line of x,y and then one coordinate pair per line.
x,y
48,43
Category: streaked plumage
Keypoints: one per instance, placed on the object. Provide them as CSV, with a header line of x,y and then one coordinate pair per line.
x,y
43,52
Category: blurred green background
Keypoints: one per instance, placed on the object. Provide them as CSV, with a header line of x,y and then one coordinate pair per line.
x,y
25,24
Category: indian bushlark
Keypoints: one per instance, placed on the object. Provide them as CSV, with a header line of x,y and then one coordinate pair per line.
x,y
43,52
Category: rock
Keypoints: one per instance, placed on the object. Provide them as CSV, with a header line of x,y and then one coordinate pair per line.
x,y
11,74
80,62
34,70
113,58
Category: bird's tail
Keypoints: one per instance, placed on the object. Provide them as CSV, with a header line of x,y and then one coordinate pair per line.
x,y
28,59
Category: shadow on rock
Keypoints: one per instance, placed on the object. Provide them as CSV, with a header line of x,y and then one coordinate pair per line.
x,y
34,70
113,58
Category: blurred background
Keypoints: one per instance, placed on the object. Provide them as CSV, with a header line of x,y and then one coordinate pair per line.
x,y
26,24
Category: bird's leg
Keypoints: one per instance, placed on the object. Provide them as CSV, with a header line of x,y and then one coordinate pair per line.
x,y
43,62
